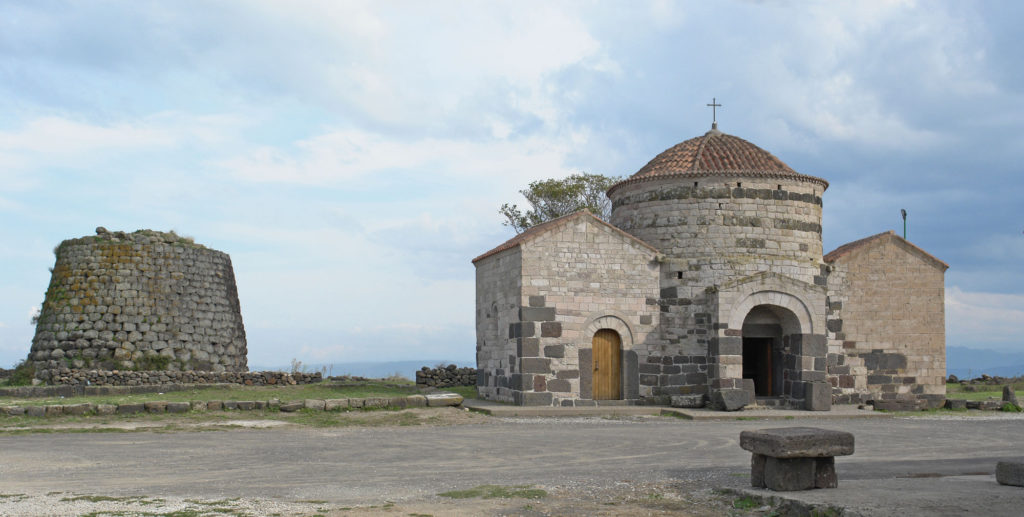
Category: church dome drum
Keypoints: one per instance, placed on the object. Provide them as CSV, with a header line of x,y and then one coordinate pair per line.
x,y
718,202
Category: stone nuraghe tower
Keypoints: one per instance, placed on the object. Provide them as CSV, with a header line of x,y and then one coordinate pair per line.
x,y
144,300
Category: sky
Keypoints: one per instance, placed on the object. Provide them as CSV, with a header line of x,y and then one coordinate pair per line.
x,y
351,156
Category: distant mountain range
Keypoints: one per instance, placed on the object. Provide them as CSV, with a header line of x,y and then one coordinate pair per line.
x,y
961,361
968,363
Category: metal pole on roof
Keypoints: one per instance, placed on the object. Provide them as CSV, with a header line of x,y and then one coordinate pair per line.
x,y
903,212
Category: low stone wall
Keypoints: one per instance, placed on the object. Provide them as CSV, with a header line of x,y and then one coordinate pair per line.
x,y
68,376
445,377
87,408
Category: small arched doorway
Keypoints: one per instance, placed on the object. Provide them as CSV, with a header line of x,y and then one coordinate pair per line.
x,y
763,358
607,367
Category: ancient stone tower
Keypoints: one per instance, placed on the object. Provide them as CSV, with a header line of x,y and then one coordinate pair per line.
x,y
145,300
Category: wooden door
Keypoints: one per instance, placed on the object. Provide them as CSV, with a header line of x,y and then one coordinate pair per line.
x,y
607,377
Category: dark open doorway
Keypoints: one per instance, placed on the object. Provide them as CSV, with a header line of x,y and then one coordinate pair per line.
x,y
757,364
763,357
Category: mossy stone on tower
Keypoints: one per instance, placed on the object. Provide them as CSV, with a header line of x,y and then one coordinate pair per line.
x,y
145,300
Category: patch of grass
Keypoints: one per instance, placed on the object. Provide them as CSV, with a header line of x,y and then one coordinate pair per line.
x,y
497,492
467,392
673,414
1010,407
325,390
746,503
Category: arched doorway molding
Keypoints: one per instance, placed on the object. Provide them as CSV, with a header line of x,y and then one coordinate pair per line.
x,y
609,320
792,312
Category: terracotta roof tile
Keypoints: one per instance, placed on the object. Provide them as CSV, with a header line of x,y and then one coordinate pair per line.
x,y
715,154
540,229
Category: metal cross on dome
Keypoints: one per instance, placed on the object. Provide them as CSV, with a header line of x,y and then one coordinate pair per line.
x,y
714,121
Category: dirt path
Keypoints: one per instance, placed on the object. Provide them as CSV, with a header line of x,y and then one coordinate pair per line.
x,y
588,466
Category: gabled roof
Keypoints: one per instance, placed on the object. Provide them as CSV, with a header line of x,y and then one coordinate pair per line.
x,y
536,231
850,247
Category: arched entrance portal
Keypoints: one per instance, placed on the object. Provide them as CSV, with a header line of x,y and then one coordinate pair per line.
x,y
607,374
763,359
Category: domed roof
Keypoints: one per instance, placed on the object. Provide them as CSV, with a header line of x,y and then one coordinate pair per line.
x,y
716,154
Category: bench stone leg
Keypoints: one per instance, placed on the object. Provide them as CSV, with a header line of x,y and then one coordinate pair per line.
x,y
825,473
789,473
757,470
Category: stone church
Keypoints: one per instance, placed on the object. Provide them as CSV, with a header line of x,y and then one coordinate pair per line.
x,y
709,284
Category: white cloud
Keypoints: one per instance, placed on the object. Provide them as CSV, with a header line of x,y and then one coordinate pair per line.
x,y
57,135
340,156
980,318
2,325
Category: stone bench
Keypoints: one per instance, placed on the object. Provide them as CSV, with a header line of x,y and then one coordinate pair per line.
x,y
795,458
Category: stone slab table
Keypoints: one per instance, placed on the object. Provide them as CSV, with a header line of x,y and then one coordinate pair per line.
x,y
795,458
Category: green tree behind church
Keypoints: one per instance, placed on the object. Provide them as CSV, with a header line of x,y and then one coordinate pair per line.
x,y
553,198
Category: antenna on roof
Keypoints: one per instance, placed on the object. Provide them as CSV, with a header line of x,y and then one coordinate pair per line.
x,y
714,121
903,212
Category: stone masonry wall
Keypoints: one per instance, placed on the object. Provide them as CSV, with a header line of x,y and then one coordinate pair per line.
x,y
718,228
74,377
498,284
887,324
145,300
445,376
577,280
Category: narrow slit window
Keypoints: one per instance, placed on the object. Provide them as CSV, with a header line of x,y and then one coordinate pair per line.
x,y
679,275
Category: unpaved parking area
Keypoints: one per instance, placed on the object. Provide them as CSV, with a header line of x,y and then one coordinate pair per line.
x,y
658,464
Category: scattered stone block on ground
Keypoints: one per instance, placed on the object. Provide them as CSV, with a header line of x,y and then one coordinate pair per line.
x,y
730,400
897,405
415,401
1010,396
291,407
443,399
955,404
178,407
687,401
78,409
315,404
818,396
130,409
156,407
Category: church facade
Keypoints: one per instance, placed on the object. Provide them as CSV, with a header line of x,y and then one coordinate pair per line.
x,y
709,280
